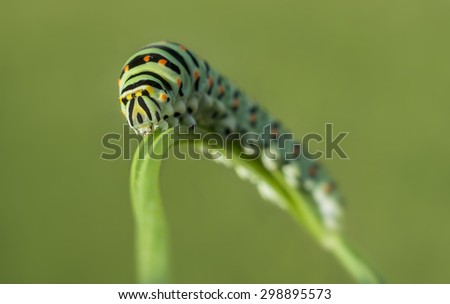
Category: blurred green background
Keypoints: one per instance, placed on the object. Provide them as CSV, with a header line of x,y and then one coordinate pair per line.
x,y
377,69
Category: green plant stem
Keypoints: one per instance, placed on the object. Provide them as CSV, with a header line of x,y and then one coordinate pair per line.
x,y
151,237
151,230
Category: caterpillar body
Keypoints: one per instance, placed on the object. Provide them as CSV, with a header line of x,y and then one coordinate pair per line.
x,y
165,84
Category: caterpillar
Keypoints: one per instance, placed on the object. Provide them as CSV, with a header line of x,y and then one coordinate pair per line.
x,y
165,85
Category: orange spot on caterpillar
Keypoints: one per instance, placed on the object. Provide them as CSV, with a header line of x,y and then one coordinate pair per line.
x,y
221,89
252,118
236,102
210,81
196,75
328,187
163,97
162,61
147,58
179,82
183,47
274,130
125,69
118,82
312,171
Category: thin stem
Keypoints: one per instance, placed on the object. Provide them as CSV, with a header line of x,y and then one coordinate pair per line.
x,y
301,210
150,225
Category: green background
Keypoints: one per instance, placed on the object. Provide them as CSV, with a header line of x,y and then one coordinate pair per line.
x,y
377,69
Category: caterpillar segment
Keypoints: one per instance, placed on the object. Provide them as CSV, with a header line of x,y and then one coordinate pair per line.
x,y
165,84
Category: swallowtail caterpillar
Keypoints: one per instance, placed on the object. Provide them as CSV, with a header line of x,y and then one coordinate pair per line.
x,y
164,85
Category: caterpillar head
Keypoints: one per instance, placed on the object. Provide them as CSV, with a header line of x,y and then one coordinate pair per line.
x,y
141,110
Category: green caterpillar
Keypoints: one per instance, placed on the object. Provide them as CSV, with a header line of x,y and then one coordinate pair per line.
x,y
164,85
